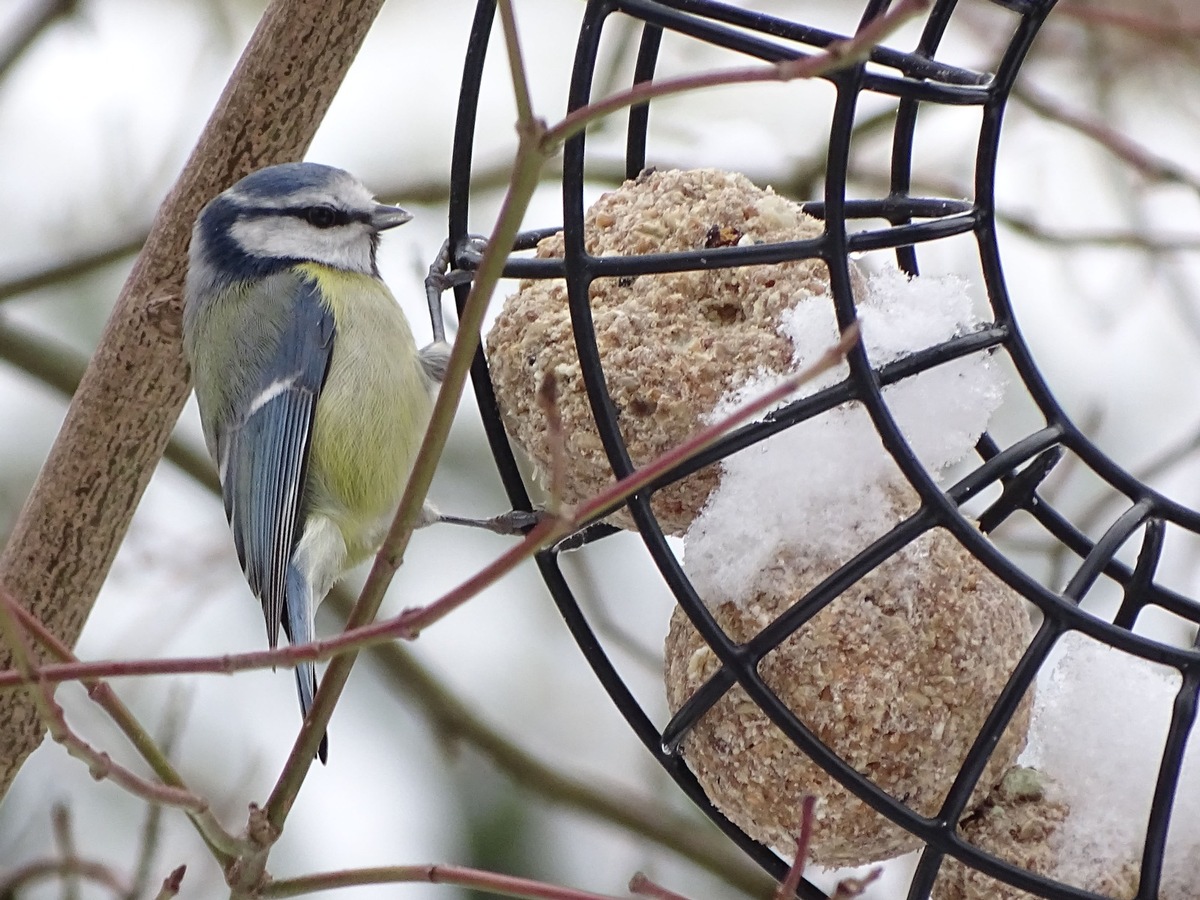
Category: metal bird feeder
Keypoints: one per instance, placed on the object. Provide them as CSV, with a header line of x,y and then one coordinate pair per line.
x,y
1010,474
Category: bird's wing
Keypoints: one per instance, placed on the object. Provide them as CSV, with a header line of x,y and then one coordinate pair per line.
x,y
266,453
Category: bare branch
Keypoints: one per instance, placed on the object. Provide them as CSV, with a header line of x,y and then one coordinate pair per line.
x,y
410,622
451,717
171,884
64,836
222,845
77,267
1137,156
41,870
1146,26
100,764
489,882
36,19
152,824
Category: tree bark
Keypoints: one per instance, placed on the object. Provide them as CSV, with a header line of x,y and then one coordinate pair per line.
x,y
121,417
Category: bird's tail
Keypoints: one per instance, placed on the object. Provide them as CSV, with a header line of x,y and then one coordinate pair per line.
x,y
298,610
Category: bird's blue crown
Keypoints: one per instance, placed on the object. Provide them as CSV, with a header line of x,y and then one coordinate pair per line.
x,y
278,181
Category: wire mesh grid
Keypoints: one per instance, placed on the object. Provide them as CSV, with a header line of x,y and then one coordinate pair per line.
x,y
1012,471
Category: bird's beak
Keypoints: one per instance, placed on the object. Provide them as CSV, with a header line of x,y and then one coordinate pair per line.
x,y
385,217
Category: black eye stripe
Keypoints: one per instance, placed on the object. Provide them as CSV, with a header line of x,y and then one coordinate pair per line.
x,y
335,216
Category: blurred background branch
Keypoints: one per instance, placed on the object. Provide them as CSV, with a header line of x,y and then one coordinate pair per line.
x,y
32,20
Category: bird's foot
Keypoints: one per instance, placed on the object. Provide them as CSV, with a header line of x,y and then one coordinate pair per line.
x,y
517,522
444,275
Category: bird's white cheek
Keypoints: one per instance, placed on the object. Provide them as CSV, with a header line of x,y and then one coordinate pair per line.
x,y
287,237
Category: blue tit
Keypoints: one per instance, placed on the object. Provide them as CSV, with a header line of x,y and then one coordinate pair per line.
x,y
313,396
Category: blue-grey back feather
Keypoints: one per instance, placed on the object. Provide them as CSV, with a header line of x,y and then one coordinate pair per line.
x,y
267,454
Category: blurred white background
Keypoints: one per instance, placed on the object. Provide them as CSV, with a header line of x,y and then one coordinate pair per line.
x,y
97,117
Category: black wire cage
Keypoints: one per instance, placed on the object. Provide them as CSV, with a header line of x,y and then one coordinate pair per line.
x,y
1009,475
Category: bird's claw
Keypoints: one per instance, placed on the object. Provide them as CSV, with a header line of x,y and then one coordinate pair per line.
x,y
518,521
444,275
471,250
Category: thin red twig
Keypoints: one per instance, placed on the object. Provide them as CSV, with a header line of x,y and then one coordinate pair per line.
x,y
789,886
461,876
99,763
641,885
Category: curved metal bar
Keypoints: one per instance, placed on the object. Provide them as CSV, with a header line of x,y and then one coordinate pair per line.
x,y
1183,718
639,116
1106,548
898,208
907,235
697,11
1138,588
943,225
1172,601
458,216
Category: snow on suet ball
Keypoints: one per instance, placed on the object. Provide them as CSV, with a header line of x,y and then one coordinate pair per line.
x,y
896,676
671,344
823,483
1099,728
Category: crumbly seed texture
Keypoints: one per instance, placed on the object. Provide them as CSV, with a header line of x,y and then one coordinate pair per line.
x,y
1017,822
896,675
1122,883
671,344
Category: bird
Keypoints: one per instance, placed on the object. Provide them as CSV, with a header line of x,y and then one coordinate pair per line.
x,y
313,396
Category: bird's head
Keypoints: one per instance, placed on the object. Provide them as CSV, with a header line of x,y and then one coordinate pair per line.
x,y
291,213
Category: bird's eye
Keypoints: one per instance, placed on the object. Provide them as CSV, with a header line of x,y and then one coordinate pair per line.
x,y
321,216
